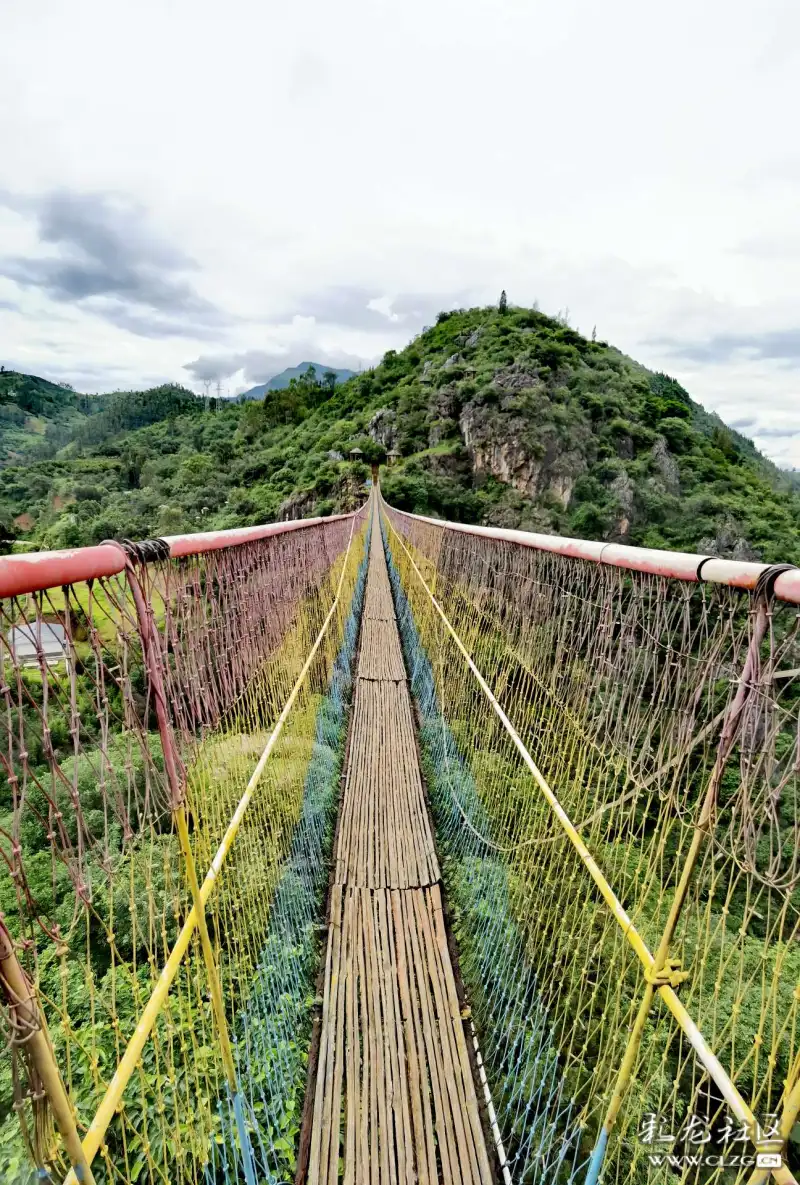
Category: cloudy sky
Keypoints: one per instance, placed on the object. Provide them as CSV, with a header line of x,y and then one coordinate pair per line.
x,y
204,190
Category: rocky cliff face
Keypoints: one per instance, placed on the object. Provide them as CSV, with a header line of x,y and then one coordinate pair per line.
x,y
382,427
666,465
346,494
518,442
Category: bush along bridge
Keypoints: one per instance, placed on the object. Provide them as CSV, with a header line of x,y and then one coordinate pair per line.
x,y
378,849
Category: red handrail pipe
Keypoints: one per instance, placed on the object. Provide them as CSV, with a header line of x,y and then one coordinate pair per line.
x,y
37,570
679,565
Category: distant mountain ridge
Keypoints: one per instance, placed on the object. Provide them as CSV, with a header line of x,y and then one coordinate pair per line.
x,y
38,417
279,382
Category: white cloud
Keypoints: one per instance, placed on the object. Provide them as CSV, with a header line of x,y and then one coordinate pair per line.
x,y
363,163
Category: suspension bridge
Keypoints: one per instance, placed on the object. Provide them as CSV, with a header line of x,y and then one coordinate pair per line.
x,y
380,849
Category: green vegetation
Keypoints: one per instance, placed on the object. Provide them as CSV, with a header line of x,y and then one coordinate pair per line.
x,y
109,893
36,416
96,980
504,416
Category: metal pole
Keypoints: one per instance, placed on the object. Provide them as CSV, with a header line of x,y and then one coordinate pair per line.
x,y
791,1108
28,1018
678,565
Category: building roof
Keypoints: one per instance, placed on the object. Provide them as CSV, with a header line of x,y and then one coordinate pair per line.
x,y
28,639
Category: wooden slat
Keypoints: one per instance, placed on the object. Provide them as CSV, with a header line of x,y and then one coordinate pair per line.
x,y
430,1050
401,1114
394,1099
424,1142
378,603
352,1070
321,1125
394,1049
456,1029
361,1099
385,838
345,962
380,655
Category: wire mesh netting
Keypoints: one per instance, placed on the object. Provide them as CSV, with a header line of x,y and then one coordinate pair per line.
x,y
276,975
663,717
93,885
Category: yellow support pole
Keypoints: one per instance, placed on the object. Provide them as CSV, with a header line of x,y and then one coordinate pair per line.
x,y
662,971
214,982
28,1017
789,1113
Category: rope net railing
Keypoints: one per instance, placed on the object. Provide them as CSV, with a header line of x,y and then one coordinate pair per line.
x,y
612,758
172,729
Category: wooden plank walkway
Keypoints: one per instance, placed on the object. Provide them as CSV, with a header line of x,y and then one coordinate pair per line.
x,y
395,1101
385,839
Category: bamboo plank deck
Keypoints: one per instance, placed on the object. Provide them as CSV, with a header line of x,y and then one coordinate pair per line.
x,y
381,656
395,1101
385,839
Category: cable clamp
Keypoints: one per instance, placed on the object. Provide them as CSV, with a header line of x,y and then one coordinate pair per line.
x,y
670,975
146,551
765,585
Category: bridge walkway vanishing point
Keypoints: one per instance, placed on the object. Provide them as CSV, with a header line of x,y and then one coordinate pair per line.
x,y
393,1048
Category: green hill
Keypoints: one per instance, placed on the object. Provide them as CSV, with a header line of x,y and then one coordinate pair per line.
x,y
125,411
37,416
507,418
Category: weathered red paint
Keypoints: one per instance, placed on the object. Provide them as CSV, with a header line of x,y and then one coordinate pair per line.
x,y
180,545
787,586
678,565
38,570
